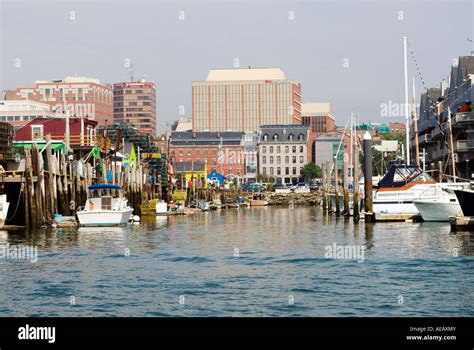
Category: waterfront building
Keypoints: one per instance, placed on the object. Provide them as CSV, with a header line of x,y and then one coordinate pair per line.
x,y
135,104
82,131
82,97
318,116
250,142
454,94
283,150
244,99
221,151
6,138
18,113
192,174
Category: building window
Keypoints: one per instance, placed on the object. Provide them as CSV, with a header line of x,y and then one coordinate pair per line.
x,y
198,152
264,170
264,160
271,171
189,152
301,149
300,137
214,151
206,152
294,159
278,160
287,160
264,149
275,137
293,149
271,159
181,152
294,171
287,149
278,149
37,132
265,137
287,171
278,171
301,159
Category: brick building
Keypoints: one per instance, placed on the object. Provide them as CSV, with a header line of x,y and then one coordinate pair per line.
x,y
135,104
82,97
222,151
245,99
318,116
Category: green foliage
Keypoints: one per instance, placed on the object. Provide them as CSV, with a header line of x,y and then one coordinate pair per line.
x,y
311,171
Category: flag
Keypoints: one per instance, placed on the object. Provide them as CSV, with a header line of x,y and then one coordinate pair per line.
x,y
132,158
96,154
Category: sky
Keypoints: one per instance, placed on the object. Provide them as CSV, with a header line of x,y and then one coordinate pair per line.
x,y
349,53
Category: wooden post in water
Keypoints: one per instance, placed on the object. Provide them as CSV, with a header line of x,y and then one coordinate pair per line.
x,y
39,179
323,168
65,186
51,177
328,178
355,182
336,186
31,202
369,210
345,185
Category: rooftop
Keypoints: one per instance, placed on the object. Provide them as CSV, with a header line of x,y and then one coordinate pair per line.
x,y
316,109
245,74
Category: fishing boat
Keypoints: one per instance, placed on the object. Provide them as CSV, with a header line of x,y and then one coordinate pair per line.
x,y
105,206
4,205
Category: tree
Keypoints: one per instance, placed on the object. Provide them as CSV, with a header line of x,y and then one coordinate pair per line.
x,y
311,171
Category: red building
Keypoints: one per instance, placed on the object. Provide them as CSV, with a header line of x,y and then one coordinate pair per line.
x,y
81,96
82,131
135,104
222,151
397,128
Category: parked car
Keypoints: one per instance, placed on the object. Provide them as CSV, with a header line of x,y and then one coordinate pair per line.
x,y
313,187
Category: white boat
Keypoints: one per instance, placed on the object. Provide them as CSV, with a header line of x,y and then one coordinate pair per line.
x,y
161,208
4,205
105,206
393,199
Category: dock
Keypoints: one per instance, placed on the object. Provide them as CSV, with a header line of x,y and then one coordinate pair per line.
x,y
461,223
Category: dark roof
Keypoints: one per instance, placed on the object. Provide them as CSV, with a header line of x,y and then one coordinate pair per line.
x,y
283,132
189,138
190,166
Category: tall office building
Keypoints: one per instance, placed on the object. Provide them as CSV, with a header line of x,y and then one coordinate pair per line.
x,y
244,99
135,104
82,97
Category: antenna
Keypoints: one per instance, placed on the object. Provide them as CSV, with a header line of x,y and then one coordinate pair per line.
x,y
131,72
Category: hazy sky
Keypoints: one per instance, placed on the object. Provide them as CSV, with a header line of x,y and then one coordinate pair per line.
x,y
349,53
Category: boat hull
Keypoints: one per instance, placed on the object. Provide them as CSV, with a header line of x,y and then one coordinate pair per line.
x,y
466,201
104,217
435,210
258,202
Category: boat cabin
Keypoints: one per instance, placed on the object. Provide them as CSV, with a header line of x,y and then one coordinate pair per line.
x,y
104,197
400,174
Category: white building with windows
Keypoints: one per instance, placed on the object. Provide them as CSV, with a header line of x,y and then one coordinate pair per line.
x,y
283,150
20,112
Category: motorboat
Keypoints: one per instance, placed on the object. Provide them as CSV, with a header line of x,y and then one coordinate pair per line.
x,y
466,200
105,206
396,191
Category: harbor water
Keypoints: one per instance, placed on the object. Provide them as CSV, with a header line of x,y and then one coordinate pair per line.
x,y
267,261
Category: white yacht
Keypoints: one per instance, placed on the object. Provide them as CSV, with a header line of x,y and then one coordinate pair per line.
x,y
397,190
4,205
105,206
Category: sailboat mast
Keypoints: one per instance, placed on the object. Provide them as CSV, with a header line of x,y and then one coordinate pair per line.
x,y
415,127
406,102
451,146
